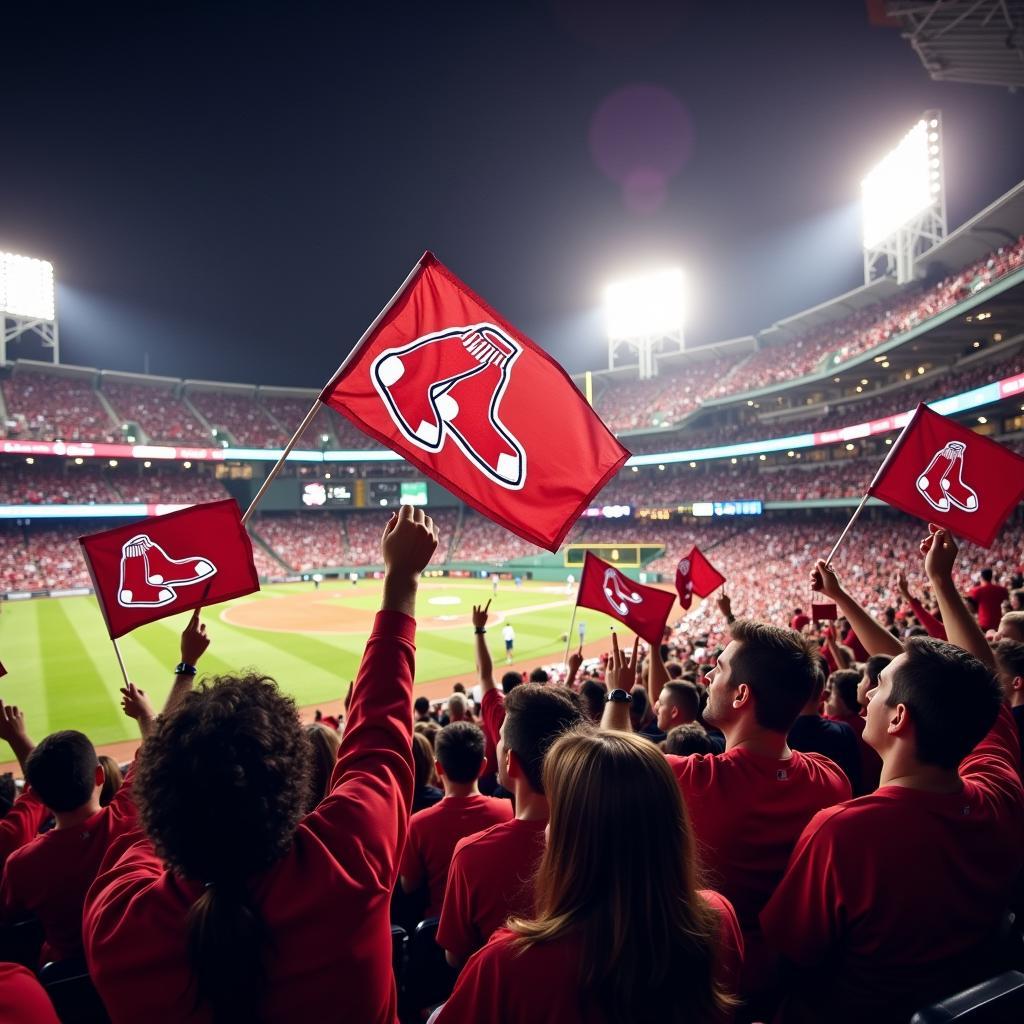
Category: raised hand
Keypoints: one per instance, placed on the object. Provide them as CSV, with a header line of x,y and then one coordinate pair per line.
x,y
940,551
724,603
12,723
194,640
480,615
621,671
825,581
135,704
900,579
409,542
575,661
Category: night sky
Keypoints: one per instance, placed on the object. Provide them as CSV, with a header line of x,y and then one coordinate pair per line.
x,y
237,188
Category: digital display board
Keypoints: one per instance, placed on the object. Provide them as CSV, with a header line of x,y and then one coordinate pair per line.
x,y
608,512
745,507
413,492
326,495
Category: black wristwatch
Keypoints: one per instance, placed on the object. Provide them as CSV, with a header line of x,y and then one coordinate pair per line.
x,y
619,696
183,668
479,632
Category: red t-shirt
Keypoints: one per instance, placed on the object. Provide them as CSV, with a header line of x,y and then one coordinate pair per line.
x,y
853,642
492,715
433,835
895,890
990,598
325,903
22,999
747,811
21,823
490,880
799,621
50,876
502,985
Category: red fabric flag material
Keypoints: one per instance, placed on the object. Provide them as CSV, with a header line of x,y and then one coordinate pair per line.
x,y
644,610
946,474
452,387
168,564
696,575
824,610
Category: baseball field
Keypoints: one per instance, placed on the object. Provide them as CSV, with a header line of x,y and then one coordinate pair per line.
x,y
63,673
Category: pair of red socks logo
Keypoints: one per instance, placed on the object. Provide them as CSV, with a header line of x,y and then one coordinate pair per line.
x,y
149,575
619,594
451,384
942,483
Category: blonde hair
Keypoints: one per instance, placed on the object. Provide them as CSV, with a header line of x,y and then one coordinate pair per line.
x,y
648,938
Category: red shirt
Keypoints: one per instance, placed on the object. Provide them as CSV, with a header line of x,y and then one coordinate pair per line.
x,y
492,715
747,811
21,823
22,999
433,835
490,880
990,598
853,642
325,903
49,876
895,890
501,985
799,621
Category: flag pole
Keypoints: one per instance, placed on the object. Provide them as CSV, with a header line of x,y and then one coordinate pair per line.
x,y
120,661
849,526
568,639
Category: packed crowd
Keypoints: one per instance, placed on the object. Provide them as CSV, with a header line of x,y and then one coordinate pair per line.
x,y
49,407
43,558
753,827
247,422
158,411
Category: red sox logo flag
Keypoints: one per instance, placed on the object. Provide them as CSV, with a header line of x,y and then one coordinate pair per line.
x,y
169,564
696,575
644,610
452,387
944,473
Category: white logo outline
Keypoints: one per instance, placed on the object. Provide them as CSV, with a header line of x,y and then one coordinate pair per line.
x,y
613,581
163,587
953,452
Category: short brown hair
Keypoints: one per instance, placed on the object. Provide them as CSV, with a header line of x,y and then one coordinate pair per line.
x,y
781,668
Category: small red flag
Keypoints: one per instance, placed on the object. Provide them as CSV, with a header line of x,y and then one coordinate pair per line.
x,y
696,575
947,474
168,564
644,610
824,610
452,387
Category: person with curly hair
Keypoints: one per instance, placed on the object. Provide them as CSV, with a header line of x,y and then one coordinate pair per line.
x,y
232,905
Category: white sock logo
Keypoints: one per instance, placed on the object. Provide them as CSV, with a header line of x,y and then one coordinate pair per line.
x,y
149,575
618,592
942,483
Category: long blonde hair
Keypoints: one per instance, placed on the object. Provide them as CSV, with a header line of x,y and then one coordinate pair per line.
x,y
620,872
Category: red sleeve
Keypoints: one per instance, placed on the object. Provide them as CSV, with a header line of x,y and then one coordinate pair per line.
x,y
492,712
22,999
925,617
21,823
994,766
413,870
457,933
363,821
123,814
729,962
478,990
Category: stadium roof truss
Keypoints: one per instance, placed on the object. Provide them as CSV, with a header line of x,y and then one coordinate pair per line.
x,y
976,41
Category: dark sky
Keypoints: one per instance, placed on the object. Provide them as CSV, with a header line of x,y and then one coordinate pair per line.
x,y
236,188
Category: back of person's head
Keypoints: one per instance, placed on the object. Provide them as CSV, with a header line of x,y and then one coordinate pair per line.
x,y
685,696
323,745
539,675
510,680
457,707
428,730
535,716
874,665
1017,599
421,706
639,706
781,668
459,749
221,785
691,738
648,938
62,770
459,688
1009,656
423,761
1011,626
674,670
953,699
842,685
593,693
112,779
986,575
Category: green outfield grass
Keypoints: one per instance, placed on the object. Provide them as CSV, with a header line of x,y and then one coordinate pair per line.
x,y
64,675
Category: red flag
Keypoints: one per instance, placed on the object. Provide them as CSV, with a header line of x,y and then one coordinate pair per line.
x,y
824,610
456,390
643,609
944,473
696,575
168,564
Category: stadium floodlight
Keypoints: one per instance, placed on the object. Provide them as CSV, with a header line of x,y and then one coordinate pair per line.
x,y
646,313
903,202
26,287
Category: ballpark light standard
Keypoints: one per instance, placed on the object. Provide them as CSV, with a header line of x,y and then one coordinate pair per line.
x,y
645,315
27,302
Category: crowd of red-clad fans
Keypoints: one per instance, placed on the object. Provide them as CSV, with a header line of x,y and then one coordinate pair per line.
x,y
762,818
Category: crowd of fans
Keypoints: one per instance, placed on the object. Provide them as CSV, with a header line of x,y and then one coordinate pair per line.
x,y
246,421
43,558
158,411
50,407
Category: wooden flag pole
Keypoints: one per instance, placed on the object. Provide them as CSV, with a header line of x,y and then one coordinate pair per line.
x,y
849,525
120,661
568,638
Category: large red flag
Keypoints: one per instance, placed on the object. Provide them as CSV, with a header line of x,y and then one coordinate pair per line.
x,y
456,390
643,609
696,575
168,564
947,474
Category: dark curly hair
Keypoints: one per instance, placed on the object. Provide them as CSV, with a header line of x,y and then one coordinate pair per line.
x,y
221,785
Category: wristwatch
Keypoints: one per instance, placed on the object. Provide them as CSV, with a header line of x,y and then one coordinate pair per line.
x,y
183,668
619,696
479,632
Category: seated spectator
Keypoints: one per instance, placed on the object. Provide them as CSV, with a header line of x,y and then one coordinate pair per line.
x,y
421,710
539,675
491,876
677,704
691,738
425,790
458,708
434,832
429,730
20,824
888,900
323,744
811,733
609,941
842,705
112,779
249,893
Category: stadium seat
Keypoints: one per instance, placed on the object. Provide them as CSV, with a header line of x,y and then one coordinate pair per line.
x,y
999,1000
428,978
21,942
72,993
399,948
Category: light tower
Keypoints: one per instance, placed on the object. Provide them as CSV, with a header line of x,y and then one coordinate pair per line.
x,y
645,315
27,302
904,203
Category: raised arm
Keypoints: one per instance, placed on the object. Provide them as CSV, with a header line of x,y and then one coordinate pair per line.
x,y
657,673
135,704
940,551
194,642
928,621
875,637
839,655
12,730
620,675
484,664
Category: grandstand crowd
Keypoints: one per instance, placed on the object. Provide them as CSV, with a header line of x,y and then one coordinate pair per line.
x,y
764,817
